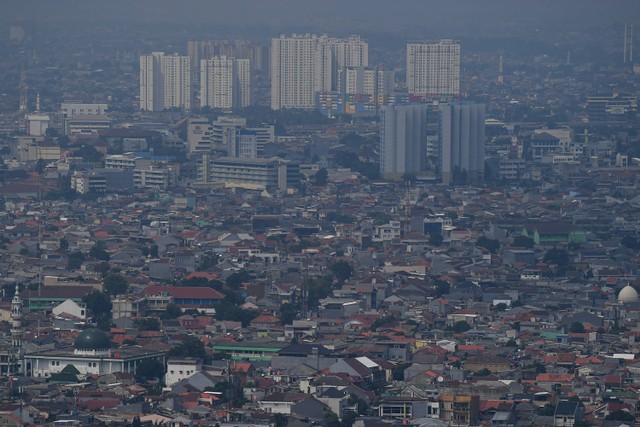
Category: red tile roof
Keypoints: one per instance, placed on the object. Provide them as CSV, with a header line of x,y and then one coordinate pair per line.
x,y
185,292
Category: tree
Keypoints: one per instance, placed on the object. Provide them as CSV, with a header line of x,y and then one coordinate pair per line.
x,y
331,419
40,165
577,328
115,284
560,257
442,287
630,242
435,239
97,302
491,245
75,260
287,313
89,154
64,244
341,269
482,373
501,306
620,415
382,321
102,268
523,242
235,279
150,369
460,327
148,324
321,177
97,251
547,410
189,347
171,312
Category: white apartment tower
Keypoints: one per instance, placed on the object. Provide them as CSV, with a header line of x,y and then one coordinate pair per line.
x,y
225,83
165,82
433,68
302,65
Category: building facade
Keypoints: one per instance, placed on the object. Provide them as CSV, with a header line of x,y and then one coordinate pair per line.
x,y
462,142
302,65
165,82
433,68
225,83
403,136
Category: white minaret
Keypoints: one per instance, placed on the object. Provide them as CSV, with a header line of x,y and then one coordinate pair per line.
x,y
16,323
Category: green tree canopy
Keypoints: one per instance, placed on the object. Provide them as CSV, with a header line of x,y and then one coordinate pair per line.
x,y
97,251
150,369
97,302
189,347
620,415
75,260
460,327
523,242
115,284
321,177
341,269
557,256
171,312
491,245
577,328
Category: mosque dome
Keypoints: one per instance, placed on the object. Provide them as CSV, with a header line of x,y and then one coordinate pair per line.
x,y
95,339
628,294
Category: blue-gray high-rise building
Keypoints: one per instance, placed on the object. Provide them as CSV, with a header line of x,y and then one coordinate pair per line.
x,y
403,140
462,142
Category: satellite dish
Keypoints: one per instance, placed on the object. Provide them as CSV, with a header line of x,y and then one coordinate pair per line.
x,y
440,379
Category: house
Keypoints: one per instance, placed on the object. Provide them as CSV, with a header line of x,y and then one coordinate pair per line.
x,y
181,368
460,409
281,402
70,308
554,232
567,414
186,297
408,407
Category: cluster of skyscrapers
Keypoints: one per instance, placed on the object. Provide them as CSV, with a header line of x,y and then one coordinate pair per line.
x,y
307,71
451,135
422,129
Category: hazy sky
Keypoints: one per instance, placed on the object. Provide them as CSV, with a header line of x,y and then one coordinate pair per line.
x,y
332,15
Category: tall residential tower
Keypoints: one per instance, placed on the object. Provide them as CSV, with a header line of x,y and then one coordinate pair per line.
x,y
302,65
165,82
433,68
225,83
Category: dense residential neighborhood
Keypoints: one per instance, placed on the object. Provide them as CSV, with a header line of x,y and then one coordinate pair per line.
x,y
185,240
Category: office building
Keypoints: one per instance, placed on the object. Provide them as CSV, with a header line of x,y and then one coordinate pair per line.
x,y
199,135
225,83
258,174
403,140
165,82
433,68
462,142
302,65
